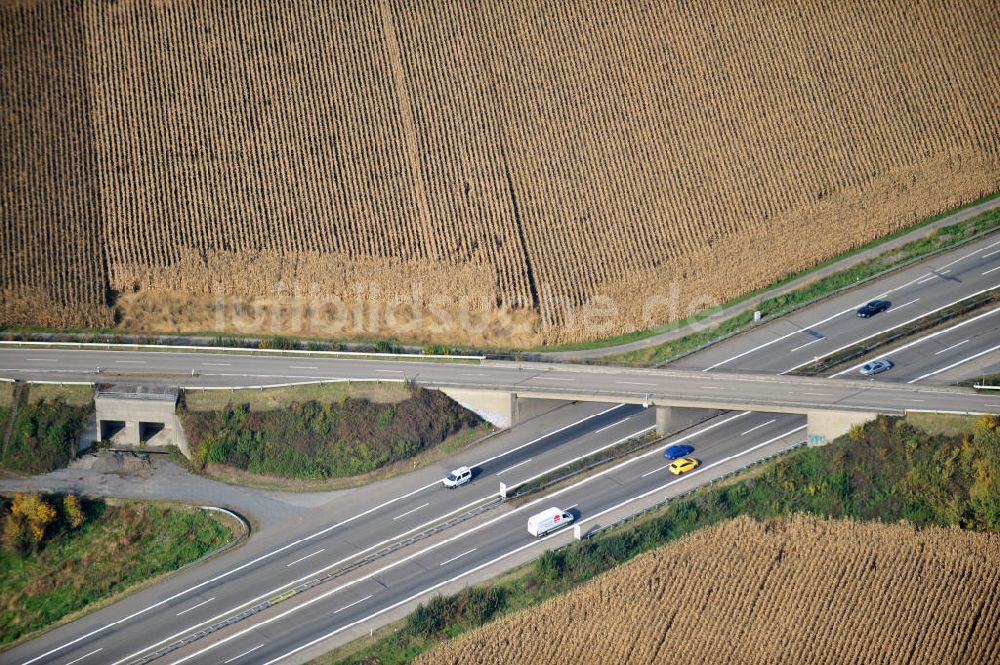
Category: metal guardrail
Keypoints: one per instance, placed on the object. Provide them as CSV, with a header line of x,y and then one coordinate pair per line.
x,y
645,511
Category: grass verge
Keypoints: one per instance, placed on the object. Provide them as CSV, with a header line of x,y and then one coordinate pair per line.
x,y
887,470
74,569
269,399
779,305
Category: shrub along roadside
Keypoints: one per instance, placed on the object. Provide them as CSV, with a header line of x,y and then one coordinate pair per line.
x,y
89,551
43,435
309,440
886,470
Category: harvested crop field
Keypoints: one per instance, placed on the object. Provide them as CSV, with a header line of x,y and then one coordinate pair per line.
x,y
509,173
801,590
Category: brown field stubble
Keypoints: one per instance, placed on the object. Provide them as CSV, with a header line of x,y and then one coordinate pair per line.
x,y
801,590
525,156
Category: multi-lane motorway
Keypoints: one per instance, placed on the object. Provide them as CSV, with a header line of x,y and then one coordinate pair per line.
x,y
367,519
797,339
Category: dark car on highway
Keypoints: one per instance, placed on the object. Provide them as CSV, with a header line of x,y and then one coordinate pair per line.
x,y
680,450
873,308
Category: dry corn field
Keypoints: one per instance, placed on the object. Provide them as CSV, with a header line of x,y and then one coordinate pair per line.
x,y
302,162
800,590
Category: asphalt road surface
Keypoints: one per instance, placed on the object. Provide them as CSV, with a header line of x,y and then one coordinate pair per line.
x,y
162,616
797,339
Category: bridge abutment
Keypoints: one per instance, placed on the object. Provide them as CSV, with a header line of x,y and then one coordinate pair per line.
x,y
825,426
671,419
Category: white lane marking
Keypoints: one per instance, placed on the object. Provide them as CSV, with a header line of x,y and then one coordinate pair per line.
x,y
633,383
356,602
42,360
986,256
757,427
991,270
194,607
931,278
777,339
375,573
130,362
314,574
552,378
955,364
802,346
410,512
992,406
289,565
692,473
242,654
217,364
388,371
572,507
714,388
514,467
899,307
84,656
922,339
456,558
656,470
302,367
473,375
598,431
953,346
815,394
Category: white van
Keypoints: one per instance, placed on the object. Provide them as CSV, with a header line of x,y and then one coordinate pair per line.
x,y
548,520
459,476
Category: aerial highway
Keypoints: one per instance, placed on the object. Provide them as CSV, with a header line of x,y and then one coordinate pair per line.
x,y
482,542
797,339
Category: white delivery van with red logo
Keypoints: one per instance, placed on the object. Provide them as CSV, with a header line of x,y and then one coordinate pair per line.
x,y
548,520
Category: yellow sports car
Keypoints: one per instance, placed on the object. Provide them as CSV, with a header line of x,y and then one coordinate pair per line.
x,y
683,465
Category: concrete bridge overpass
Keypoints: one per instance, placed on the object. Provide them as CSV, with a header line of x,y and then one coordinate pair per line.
x,y
506,390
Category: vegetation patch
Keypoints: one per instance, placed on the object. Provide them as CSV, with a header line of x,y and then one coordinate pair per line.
x,y
887,471
63,554
41,431
312,440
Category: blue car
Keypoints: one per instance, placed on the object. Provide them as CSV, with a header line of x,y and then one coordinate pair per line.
x,y
680,450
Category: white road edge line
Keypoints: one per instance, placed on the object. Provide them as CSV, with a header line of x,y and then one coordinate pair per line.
x,y
920,339
356,602
410,512
456,558
466,573
225,662
955,364
194,607
289,565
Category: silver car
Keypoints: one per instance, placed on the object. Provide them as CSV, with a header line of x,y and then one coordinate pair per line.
x,y
875,367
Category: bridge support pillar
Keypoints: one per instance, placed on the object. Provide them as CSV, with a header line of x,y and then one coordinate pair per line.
x,y
825,426
670,419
